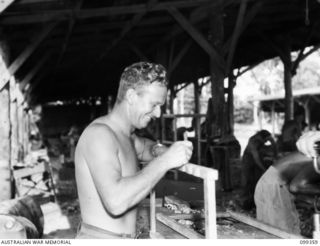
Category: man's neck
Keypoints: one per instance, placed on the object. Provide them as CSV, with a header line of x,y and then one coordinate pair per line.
x,y
120,117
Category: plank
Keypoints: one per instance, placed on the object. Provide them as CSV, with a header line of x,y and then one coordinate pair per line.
x,y
188,233
262,226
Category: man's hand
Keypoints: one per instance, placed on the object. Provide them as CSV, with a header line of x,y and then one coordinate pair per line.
x,y
177,154
306,141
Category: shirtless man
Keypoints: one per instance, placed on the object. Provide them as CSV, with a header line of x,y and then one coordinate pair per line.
x,y
106,160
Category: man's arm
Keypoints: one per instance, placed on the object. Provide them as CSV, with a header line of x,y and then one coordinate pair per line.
x,y
147,149
119,193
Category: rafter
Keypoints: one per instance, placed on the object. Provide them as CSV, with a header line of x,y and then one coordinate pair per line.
x,y
27,52
33,72
127,28
180,55
196,35
17,18
236,34
72,22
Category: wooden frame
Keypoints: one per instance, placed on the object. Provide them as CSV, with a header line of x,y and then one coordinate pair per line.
x,y
209,177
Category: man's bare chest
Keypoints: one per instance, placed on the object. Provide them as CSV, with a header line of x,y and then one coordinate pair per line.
x,y
127,157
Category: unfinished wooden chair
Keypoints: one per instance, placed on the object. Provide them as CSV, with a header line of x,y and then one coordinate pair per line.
x,y
209,177
42,167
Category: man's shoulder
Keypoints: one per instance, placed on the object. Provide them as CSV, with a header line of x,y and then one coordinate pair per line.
x,y
98,129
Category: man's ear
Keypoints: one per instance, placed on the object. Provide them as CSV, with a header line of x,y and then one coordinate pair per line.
x,y
131,95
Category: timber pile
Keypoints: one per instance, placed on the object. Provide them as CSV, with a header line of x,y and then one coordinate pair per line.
x,y
21,215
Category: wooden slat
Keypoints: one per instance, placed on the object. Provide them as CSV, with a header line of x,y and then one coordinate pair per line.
x,y
188,233
4,4
153,211
39,168
262,226
199,171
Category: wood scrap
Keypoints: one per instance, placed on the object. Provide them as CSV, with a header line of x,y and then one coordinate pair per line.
x,y
262,226
177,205
183,230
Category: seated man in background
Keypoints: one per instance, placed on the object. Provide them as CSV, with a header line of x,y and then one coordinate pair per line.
x,y
253,164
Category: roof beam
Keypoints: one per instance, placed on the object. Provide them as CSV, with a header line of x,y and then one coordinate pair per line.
x,y
4,4
19,61
137,51
17,18
196,35
26,53
180,55
127,28
33,72
248,19
236,34
69,34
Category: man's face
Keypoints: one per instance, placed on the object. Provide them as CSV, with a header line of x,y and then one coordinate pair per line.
x,y
147,104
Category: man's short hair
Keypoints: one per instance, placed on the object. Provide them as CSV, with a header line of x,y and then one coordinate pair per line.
x,y
140,74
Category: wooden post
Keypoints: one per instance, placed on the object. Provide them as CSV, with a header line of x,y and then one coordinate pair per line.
x,y
231,84
216,72
287,64
5,172
306,107
153,211
197,120
273,118
210,207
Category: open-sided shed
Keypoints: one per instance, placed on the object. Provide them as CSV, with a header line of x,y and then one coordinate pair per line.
x,y
70,50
